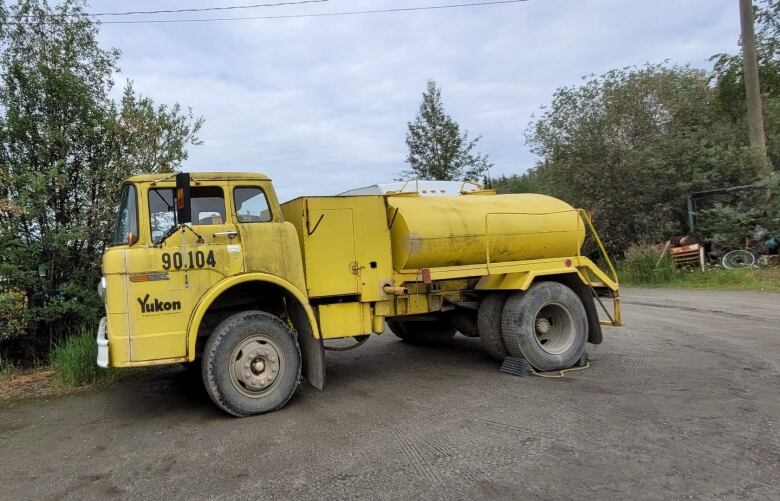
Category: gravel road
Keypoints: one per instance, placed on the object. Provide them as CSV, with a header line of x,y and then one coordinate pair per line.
x,y
683,402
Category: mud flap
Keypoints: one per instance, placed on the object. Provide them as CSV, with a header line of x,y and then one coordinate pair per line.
x,y
594,326
312,351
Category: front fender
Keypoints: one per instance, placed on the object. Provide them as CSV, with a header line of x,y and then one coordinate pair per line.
x,y
212,294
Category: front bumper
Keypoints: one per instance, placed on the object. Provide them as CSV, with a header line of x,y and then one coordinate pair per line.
x,y
102,344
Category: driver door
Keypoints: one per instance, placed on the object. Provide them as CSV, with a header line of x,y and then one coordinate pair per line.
x,y
178,267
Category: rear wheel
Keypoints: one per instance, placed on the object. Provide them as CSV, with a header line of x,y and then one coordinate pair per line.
x,y
547,325
465,322
251,364
422,332
489,323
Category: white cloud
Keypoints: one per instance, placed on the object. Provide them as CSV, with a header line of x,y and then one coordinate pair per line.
x,y
321,104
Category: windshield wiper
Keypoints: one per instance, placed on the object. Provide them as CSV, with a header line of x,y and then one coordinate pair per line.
x,y
173,230
165,237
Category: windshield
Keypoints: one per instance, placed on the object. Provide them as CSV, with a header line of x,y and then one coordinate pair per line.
x,y
128,217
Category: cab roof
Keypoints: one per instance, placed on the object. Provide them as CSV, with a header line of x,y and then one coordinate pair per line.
x,y
200,176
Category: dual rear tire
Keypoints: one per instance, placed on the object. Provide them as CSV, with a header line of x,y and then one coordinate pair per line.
x,y
547,325
489,323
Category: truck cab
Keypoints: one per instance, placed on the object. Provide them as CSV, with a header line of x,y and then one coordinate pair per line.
x,y
156,272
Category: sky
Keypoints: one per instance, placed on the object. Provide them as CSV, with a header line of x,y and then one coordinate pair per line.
x,y
321,105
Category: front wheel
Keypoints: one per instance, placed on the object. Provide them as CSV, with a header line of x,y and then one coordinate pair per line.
x,y
251,364
547,325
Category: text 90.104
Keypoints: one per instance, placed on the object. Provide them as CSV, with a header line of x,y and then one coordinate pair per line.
x,y
193,259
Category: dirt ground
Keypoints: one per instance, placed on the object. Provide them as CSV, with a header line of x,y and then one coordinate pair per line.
x,y
684,402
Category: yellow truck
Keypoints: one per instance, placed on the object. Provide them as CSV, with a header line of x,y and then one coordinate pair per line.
x,y
210,270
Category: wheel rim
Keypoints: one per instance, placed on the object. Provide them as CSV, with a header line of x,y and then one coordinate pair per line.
x,y
554,328
738,259
256,366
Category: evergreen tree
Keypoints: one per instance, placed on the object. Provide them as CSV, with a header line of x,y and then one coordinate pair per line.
x,y
437,149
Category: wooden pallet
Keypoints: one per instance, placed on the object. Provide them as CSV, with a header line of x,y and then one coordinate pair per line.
x,y
688,256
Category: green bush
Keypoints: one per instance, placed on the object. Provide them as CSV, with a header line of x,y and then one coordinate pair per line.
x,y
13,308
74,361
731,225
6,371
644,265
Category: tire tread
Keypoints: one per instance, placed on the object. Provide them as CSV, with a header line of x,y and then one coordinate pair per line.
x,y
209,370
489,325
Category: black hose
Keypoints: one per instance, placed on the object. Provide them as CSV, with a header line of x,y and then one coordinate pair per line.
x,y
360,340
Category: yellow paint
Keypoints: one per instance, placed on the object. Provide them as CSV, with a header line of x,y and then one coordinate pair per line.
x,y
214,293
345,319
455,231
336,256
346,245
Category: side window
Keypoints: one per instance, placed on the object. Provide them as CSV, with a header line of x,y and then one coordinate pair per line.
x,y
251,205
208,207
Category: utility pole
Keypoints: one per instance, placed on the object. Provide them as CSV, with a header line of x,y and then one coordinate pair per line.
x,y
752,89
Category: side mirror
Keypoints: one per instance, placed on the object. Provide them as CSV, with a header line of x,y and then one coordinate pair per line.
x,y
183,206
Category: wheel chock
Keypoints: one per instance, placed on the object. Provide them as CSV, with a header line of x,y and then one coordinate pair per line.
x,y
516,367
520,367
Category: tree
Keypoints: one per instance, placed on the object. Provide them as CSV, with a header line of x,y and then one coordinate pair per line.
x,y
631,144
728,78
64,147
527,182
437,149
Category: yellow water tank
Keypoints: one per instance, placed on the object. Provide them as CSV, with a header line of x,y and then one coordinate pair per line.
x,y
430,232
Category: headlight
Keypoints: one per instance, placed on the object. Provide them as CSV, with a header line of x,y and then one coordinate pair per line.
x,y
101,288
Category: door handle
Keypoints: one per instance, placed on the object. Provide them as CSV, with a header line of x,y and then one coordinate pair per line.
x,y
230,234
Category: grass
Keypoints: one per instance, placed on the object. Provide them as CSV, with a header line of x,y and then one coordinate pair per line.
x,y
642,268
74,361
6,372
752,279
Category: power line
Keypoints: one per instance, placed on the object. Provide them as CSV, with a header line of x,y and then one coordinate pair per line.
x,y
321,14
194,9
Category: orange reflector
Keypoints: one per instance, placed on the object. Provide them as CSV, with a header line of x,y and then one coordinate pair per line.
x,y
426,275
567,263
148,277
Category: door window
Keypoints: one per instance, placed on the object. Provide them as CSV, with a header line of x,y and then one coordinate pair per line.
x,y
251,205
208,208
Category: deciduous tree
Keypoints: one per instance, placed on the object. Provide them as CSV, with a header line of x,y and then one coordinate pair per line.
x,y
630,145
64,148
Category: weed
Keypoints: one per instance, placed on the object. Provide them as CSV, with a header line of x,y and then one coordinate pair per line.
x,y
75,364
644,265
